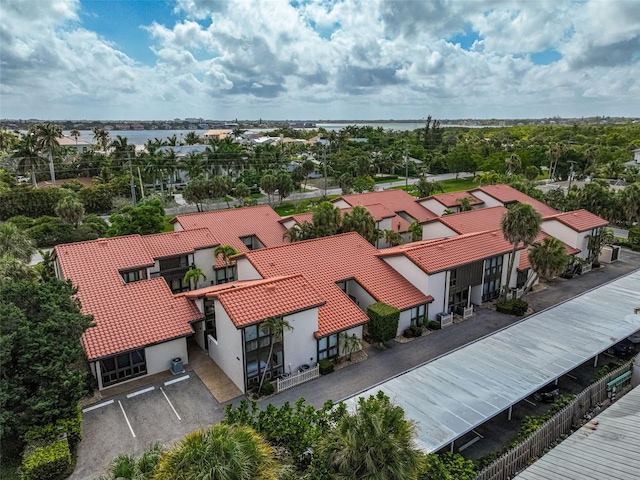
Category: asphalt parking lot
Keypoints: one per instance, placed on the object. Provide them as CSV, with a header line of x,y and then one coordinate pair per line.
x,y
130,422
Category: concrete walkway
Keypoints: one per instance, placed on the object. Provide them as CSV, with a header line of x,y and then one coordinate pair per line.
x,y
218,383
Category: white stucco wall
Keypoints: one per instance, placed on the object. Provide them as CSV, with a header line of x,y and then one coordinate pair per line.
x,y
198,328
204,259
300,346
514,271
363,299
227,350
582,240
488,200
434,205
409,270
177,227
159,356
439,290
246,271
436,229
476,294
288,223
404,322
561,231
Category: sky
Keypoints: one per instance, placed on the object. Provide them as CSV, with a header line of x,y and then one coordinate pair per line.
x,y
318,59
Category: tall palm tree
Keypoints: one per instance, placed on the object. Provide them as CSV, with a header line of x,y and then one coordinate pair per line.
x,y
223,452
75,133
426,188
416,231
393,238
360,220
241,192
15,243
101,137
274,326
326,219
269,183
520,224
513,163
374,442
226,252
193,164
47,136
123,151
548,259
26,156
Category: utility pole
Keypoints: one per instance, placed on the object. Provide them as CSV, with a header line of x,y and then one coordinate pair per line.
x,y
324,161
406,166
133,187
572,162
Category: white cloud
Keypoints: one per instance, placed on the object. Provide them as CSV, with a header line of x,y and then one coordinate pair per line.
x,y
345,58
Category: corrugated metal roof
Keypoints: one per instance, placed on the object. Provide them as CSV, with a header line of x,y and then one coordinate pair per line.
x,y
457,392
610,449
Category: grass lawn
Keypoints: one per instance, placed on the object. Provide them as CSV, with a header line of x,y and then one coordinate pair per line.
x,y
454,185
285,209
257,195
304,206
387,180
168,226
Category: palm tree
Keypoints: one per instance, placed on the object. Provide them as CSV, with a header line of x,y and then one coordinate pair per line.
x,y
360,220
350,343
464,204
487,178
520,224
47,136
226,252
26,156
127,467
393,238
513,163
548,259
426,188
122,150
192,138
241,191
374,442
220,187
194,164
75,134
269,183
101,137
630,200
223,452
275,326
70,210
194,274
15,243
416,231
326,219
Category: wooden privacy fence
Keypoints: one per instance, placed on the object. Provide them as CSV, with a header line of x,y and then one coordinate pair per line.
x,y
298,378
519,457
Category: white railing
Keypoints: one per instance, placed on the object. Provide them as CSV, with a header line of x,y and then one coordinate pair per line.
x,y
467,312
300,377
586,267
519,292
509,295
446,320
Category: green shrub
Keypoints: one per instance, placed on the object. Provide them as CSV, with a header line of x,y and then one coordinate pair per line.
x,y
433,325
515,306
413,331
267,389
29,202
383,321
72,427
326,366
49,461
97,198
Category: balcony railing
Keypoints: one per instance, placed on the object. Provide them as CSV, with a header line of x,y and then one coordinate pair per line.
x,y
172,272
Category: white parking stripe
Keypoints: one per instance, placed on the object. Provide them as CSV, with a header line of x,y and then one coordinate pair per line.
x,y
126,418
140,392
170,382
93,407
170,404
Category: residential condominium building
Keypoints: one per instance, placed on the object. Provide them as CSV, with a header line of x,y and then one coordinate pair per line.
x,y
144,311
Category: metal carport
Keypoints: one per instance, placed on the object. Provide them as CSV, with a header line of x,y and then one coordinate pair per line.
x,y
451,395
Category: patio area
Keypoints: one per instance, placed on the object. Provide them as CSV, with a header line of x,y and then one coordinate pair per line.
x,y
220,386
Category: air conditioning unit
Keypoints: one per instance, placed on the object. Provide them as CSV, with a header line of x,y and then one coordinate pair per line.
x,y
177,366
609,254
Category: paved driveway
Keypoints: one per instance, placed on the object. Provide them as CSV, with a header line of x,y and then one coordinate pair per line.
x,y
128,423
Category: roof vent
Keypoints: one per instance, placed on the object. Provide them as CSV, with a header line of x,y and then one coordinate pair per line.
x,y
103,242
271,288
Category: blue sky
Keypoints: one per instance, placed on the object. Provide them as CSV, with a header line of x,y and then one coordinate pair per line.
x,y
318,59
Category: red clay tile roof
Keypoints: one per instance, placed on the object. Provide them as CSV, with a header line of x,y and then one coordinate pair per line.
x,y
580,220
318,260
480,220
451,199
260,299
395,200
524,263
127,316
439,255
506,194
231,224
178,243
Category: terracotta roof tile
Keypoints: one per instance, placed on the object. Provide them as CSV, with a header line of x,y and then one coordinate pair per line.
x,y
228,226
451,199
506,194
127,316
436,256
261,299
395,200
178,243
480,220
324,261
580,220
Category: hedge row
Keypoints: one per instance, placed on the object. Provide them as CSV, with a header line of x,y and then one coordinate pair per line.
x,y
383,321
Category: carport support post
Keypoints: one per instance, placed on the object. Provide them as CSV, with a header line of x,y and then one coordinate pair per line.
x,y
595,362
452,446
510,410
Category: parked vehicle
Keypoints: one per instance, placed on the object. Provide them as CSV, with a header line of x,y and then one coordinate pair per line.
x,y
547,394
624,348
634,337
